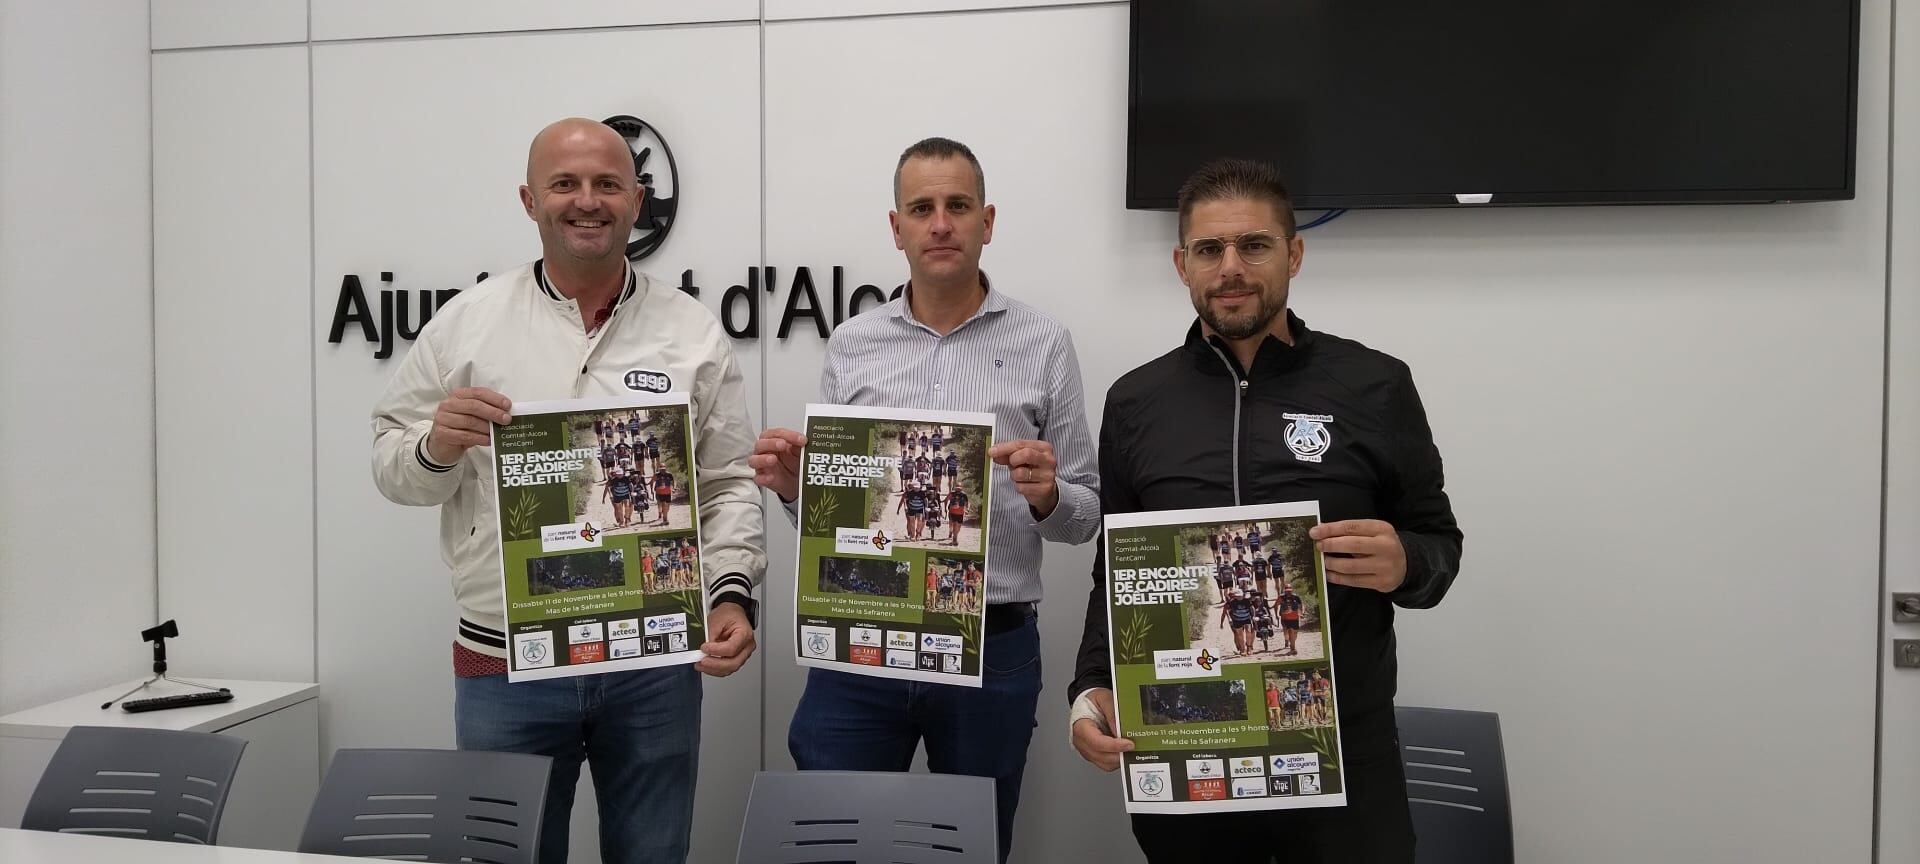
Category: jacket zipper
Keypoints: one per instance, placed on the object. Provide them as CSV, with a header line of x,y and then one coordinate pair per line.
x,y
1239,389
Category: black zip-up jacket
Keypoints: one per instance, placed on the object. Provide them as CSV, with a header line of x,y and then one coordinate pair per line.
x,y
1192,429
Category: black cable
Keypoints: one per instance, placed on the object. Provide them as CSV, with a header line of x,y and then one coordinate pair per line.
x,y
1323,219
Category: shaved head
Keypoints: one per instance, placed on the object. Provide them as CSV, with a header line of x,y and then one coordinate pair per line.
x,y
570,133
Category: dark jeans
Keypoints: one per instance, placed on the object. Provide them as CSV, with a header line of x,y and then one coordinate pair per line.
x,y
851,722
1374,828
638,730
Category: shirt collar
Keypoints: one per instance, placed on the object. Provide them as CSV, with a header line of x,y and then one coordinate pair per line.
x,y
994,302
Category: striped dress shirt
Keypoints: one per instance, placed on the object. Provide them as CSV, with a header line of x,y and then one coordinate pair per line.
x,y
1009,360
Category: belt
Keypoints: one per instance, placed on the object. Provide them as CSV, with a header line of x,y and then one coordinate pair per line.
x,y
1002,617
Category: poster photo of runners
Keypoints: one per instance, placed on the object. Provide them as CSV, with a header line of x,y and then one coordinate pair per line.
x,y
1222,666
599,535
893,542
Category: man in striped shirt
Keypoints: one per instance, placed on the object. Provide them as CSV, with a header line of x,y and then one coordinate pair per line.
x,y
952,341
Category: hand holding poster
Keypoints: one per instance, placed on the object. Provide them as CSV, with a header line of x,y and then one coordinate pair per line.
x,y
1222,663
892,570
599,535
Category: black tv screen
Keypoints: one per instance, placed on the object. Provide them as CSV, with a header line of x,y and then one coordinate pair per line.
x,y
1404,103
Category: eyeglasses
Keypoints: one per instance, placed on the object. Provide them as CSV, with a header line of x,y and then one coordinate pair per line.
x,y
1254,247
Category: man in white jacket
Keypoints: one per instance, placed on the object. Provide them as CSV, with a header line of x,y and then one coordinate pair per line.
x,y
579,322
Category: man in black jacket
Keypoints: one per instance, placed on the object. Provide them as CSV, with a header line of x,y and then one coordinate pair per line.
x,y
1255,408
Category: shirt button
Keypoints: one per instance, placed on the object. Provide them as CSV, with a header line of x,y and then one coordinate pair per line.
x,y
936,386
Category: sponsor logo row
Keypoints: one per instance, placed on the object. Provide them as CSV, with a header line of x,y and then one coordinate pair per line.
x,y
900,649
1239,777
604,640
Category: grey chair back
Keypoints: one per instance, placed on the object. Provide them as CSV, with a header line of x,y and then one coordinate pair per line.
x,y
860,816
154,784
448,806
1456,786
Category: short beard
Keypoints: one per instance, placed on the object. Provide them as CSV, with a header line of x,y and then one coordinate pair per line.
x,y
1242,326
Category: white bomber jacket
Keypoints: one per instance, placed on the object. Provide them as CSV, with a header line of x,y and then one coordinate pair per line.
x,y
514,334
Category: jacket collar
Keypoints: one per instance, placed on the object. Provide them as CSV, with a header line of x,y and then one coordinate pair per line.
x,y
546,287
1274,355
561,303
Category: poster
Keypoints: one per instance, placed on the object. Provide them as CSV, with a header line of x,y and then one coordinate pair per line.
x,y
1222,660
599,535
892,570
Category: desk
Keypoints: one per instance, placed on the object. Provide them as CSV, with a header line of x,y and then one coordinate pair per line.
x,y
46,847
279,773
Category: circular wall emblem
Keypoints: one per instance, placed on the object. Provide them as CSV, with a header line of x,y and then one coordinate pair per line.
x,y
654,167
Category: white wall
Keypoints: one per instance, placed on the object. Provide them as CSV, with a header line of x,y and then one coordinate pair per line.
x,y
1900,749
363,19
233,349
76,349
1662,424
208,23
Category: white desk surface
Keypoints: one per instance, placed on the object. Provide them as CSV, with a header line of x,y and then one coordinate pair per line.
x,y
47,847
250,699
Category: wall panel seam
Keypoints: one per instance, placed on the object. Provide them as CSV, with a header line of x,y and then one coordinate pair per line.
x,y
760,21
313,371
153,316
1886,426
766,578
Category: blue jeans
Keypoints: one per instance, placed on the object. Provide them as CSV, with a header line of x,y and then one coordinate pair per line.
x,y
639,730
849,722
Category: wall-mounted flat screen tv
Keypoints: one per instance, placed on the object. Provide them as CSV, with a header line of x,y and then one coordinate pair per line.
x,y
1407,103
